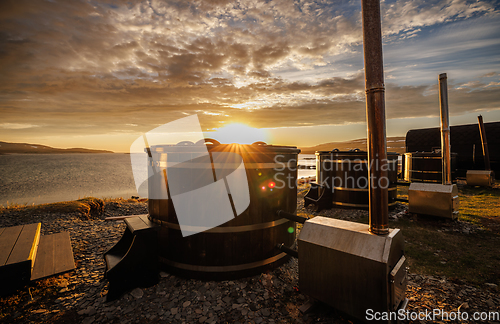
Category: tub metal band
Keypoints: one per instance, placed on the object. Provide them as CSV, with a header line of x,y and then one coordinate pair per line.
x,y
423,180
228,229
238,267
249,165
426,157
353,161
360,189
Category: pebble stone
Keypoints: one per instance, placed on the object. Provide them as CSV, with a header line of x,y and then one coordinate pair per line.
x,y
273,297
137,293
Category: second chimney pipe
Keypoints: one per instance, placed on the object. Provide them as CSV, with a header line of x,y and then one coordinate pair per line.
x,y
486,153
375,117
445,129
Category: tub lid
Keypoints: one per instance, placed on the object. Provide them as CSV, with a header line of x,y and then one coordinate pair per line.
x,y
214,146
351,153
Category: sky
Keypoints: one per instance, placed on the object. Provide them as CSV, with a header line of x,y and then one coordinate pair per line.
x,y
98,74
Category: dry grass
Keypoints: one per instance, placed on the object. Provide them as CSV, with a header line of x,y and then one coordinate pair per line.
x,y
481,206
88,208
72,206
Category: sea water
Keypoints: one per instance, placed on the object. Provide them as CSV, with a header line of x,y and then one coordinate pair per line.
x,y
27,179
43,178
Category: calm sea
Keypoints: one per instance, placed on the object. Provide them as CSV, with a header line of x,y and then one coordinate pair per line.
x,y
45,178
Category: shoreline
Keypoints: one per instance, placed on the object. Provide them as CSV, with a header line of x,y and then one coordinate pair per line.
x,y
35,205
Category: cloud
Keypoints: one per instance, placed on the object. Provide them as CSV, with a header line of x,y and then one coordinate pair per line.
x,y
407,17
113,65
423,101
489,75
463,49
17,126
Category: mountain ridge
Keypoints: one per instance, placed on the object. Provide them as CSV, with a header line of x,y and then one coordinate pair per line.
x,y
26,148
394,144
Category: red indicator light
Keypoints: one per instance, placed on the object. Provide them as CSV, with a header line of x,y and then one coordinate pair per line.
x,y
263,188
271,184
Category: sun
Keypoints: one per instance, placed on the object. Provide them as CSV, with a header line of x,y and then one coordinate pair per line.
x,y
238,133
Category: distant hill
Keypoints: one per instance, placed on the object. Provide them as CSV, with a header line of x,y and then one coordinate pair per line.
x,y
394,144
36,149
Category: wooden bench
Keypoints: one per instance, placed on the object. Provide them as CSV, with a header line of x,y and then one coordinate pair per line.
x,y
54,256
18,245
133,261
26,255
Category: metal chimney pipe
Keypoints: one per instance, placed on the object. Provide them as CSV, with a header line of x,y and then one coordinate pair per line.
x,y
375,116
445,129
486,153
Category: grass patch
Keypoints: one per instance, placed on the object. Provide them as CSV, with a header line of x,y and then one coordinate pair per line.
x,y
125,200
437,251
480,206
464,249
10,205
88,208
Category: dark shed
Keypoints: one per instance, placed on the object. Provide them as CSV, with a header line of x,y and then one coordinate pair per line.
x,y
465,141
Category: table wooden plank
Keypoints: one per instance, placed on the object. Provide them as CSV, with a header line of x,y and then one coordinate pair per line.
x,y
146,221
26,244
64,260
54,256
135,224
44,262
118,218
7,241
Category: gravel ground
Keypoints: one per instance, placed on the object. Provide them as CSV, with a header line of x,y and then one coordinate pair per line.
x,y
79,296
